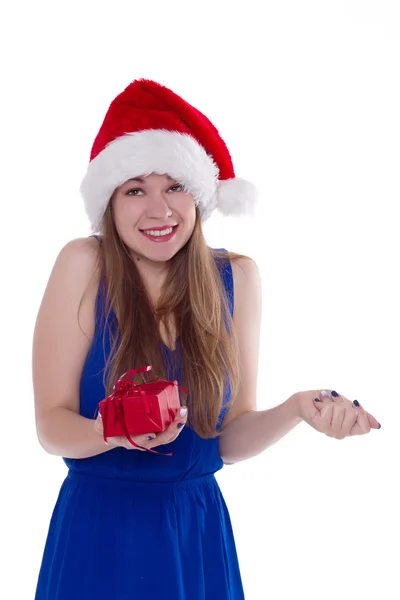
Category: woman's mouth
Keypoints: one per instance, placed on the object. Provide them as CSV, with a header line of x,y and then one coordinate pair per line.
x,y
160,235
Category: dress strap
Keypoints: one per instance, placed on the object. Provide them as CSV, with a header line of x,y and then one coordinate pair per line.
x,y
225,269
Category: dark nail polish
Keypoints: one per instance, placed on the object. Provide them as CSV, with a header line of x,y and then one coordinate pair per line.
x,y
356,403
335,394
379,425
317,400
180,425
150,437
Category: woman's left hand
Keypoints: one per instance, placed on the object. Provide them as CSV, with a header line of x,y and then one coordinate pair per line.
x,y
335,415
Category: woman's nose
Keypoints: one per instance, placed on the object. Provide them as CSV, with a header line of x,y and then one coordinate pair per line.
x,y
157,207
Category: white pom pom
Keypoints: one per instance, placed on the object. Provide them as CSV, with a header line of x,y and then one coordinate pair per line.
x,y
236,197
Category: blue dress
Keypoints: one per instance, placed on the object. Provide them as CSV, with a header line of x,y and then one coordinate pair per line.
x,y
131,525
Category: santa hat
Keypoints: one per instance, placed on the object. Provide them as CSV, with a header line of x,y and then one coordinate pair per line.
x,y
150,129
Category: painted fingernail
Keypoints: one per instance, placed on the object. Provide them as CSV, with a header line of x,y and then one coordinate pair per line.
x,y
180,425
150,437
183,412
317,400
334,394
324,394
356,403
379,425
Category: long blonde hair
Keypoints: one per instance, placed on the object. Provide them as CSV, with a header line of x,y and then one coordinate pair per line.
x,y
194,295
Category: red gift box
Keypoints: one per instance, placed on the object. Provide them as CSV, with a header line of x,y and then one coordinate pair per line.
x,y
132,410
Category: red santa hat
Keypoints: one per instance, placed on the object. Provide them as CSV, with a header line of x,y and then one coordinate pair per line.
x,y
150,129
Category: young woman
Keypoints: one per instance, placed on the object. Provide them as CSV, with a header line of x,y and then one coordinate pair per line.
x,y
147,290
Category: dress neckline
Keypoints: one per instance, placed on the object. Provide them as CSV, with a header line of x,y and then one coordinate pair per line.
x,y
177,342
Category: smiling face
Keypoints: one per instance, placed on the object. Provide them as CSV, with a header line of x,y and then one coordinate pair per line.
x,y
145,207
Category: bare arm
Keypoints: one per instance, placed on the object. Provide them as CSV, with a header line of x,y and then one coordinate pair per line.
x,y
64,432
253,432
59,352
247,432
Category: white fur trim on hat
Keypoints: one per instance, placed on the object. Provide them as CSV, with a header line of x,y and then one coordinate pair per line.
x,y
236,197
150,151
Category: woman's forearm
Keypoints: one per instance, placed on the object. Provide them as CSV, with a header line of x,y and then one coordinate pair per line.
x,y
65,433
253,432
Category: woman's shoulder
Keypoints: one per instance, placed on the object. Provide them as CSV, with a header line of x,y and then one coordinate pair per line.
x,y
85,248
90,242
240,273
246,277
242,265
79,259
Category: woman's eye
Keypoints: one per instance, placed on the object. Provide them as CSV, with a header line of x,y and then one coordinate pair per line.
x,y
178,185
175,188
129,192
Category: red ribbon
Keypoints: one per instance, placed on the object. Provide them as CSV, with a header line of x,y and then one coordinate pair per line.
x,y
126,387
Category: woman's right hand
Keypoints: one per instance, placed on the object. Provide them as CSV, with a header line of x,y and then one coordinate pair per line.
x,y
159,439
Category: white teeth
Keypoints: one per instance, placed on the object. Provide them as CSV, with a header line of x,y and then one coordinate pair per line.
x,y
156,233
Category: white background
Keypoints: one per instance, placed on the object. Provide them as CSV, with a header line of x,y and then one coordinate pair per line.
x,y
306,96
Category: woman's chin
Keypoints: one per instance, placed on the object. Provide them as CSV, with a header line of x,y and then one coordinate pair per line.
x,y
156,252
